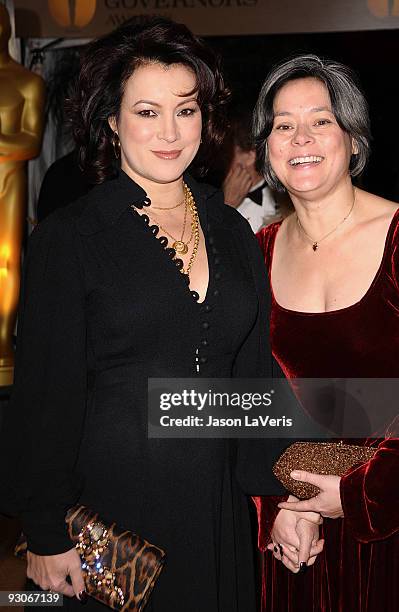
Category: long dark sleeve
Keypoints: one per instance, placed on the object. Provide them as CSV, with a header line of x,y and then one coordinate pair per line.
x,y
256,457
43,426
370,494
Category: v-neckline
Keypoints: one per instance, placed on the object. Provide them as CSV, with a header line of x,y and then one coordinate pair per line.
x,y
170,252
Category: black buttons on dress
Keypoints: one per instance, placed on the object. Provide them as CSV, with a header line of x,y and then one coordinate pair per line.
x,y
216,263
145,202
163,241
207,308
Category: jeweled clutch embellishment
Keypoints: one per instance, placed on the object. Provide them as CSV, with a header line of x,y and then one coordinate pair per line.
x,y
92,541
119,567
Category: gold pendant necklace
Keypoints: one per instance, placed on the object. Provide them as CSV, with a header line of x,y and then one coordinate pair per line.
x,y
315,243
180,245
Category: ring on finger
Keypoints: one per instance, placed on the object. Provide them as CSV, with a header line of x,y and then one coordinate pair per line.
x,y
277,550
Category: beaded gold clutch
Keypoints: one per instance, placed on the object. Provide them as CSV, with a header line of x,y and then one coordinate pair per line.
x,y
320,458
119,567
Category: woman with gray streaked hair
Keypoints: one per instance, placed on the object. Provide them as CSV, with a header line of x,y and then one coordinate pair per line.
x,y
334,274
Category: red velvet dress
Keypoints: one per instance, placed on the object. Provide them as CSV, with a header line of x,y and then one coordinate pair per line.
x,y
359,568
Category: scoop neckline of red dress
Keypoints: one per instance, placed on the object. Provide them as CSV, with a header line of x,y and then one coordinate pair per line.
x,y
346,308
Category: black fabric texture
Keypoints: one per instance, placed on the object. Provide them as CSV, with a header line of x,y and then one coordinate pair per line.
x,y
102,309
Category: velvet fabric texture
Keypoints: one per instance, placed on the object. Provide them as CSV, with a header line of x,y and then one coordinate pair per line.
x,y
359,568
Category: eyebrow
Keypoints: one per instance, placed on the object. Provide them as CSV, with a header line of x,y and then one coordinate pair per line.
x,y
317,109
152,103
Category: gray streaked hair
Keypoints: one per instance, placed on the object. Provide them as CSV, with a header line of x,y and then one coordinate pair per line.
x,y
348,105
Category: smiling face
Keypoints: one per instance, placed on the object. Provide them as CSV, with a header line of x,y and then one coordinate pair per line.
x,y
308,150
159,125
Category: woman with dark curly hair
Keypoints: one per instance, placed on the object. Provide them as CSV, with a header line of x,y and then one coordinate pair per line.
x,y
149,275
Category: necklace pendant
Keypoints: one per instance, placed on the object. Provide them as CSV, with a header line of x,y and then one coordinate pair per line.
x,y
180,247
315,246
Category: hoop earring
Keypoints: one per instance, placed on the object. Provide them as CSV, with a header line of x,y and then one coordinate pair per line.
x,y
116,144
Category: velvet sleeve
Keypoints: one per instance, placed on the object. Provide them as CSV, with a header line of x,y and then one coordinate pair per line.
x,y
370,494
44,423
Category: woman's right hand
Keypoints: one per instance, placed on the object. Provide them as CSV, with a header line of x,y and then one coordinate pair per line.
x,y
50,572
298,535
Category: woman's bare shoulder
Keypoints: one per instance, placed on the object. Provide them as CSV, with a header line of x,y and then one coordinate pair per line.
x,y
375,207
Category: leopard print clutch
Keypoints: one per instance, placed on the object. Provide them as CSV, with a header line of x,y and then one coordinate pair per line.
x,y
119,567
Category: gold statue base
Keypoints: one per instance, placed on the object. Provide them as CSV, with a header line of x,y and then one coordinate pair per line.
x,y
6,376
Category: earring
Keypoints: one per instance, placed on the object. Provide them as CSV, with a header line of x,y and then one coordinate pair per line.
x,y
116,144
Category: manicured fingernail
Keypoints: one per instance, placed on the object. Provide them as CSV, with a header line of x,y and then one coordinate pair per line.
x,y
295,474
302,567
275,549
83,597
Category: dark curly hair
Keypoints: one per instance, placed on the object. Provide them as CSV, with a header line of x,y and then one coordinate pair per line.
x,y
106,65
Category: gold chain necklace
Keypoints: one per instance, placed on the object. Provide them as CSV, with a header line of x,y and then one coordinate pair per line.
x,y
315,243
179,245
194,228
168,207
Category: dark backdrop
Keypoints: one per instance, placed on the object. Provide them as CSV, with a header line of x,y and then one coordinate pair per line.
x,y
374,55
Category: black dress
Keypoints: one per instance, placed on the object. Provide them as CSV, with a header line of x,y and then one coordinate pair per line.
x,y
103,308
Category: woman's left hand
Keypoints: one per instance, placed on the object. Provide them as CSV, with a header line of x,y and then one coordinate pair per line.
x,y
327,502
